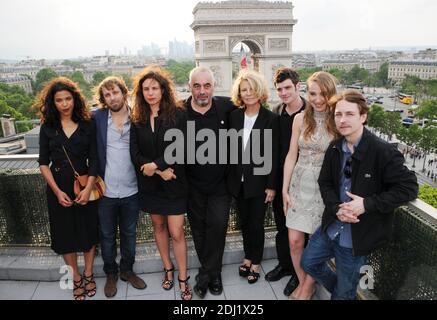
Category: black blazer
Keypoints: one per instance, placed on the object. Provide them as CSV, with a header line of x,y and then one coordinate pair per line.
x,y
147,146
254,185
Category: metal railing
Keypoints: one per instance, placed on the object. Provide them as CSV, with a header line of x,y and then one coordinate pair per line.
x,y
23,206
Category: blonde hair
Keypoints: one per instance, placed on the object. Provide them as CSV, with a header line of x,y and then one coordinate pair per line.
x,y
328,85
257,83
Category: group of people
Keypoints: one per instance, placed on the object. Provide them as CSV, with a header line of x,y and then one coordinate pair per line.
x,y
333,184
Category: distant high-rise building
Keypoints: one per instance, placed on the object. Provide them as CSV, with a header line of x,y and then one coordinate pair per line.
x,y
151,50
180,50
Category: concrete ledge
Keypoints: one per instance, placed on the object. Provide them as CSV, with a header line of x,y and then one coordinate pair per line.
x,y
42,264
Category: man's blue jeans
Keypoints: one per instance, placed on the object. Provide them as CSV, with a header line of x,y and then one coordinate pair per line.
x,y
121,212
343,283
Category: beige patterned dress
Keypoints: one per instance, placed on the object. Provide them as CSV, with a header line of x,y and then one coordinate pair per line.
x,y
305,213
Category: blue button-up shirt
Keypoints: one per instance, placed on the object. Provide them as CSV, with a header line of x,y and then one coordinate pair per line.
x,y
338,228
120,178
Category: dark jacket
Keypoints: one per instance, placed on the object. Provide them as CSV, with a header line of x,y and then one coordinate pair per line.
x,y
224,107
146,147
80,147
211,178
254,185
100,117
380,177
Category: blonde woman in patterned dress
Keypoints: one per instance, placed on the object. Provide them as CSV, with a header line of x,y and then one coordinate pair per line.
x,y
303,206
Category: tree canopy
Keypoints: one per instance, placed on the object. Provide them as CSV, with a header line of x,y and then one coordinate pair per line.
x,y
42,77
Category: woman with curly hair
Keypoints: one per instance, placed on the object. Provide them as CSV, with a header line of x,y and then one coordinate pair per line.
x,y
162,186
67,134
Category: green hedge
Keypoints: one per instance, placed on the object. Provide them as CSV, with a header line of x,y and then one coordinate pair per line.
x,y
429,195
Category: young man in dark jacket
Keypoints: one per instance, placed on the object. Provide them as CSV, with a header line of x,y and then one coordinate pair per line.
x,y
362,181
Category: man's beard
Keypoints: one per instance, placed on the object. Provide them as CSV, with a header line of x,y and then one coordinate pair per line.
x,y
202,103
116,108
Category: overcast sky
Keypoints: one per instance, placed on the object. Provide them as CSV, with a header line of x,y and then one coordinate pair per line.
x,y
71,28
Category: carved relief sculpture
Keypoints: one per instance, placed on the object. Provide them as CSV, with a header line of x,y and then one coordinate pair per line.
x,y
280,44
214,46
216,70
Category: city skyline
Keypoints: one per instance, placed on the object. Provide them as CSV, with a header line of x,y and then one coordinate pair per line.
x,y
72,28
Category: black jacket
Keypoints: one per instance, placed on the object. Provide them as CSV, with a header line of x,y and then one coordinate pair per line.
x,y
146,147
210,178
224,107
254,185
380,177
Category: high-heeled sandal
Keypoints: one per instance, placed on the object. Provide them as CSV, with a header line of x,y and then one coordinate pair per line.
x,y
185,294
78,285
89,280
243,270
167,284
253,276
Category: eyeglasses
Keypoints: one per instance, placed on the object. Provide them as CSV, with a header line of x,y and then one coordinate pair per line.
x,y
347,171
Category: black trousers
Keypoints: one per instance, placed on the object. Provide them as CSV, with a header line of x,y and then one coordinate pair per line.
x,y
251,213
282,244
208,215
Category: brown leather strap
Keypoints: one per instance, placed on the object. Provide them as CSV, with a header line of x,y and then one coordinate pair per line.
x,y
71,164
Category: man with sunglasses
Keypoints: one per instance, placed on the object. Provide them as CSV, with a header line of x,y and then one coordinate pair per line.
x,y
362,181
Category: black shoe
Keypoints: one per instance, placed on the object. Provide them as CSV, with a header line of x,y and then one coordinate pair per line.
x,y
291,285
277,273
216,286
200,291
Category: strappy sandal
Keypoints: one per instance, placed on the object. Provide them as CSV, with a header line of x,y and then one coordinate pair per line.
x,y
167,284
252,277
78,285
186,294
90,280
243,270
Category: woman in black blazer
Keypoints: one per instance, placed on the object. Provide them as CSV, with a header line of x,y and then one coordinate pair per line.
x,y
162,185
252,189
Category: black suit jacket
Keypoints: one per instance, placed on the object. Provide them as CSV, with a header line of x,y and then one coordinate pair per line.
x,y
254,185
146,147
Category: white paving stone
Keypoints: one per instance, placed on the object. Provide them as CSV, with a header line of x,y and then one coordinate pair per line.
x,y
17,290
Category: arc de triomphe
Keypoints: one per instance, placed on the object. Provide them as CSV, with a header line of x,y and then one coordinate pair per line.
x,y
265,27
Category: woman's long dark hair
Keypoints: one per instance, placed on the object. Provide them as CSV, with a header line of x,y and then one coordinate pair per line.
x,y
46,102
141,109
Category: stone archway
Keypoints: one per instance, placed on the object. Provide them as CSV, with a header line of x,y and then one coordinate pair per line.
x,y
265,27
254,44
